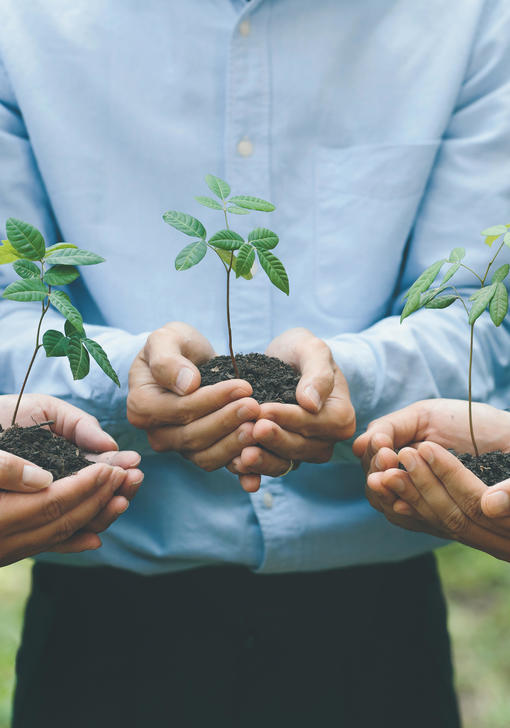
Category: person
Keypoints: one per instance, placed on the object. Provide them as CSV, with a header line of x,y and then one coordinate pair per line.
x,y
64,516
436,493
232,594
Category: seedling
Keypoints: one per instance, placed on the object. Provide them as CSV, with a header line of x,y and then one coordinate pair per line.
x,y
493,295
224,243
40,270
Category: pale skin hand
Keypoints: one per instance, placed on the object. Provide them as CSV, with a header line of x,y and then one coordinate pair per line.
x,y
37,515
209,426
443,421
307,431
438,495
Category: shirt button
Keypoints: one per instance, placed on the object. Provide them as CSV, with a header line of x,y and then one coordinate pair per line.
x,y
245,148
245,28
267,499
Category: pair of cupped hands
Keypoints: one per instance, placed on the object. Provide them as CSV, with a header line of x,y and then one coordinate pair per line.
x,y
435,493
215,426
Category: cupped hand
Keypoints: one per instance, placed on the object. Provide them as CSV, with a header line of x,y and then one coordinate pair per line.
x,y
436,494
444,421
209,425
19,477
308,431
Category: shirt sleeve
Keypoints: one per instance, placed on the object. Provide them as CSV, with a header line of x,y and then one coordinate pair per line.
x,y
23,195
390,365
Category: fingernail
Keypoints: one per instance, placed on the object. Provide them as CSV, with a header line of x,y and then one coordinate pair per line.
x,y
244,413
242,436
498,503
184,379
427,454
36,478
313,394
408,461
378,462
398,485
122,507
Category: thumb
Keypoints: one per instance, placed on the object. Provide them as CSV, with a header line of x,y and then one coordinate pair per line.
x,y
495,502
17,474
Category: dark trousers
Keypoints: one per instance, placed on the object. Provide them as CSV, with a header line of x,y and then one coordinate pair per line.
x,y
352,648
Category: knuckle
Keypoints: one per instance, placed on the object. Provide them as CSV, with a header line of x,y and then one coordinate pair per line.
x,y
66,528
53,510
182,414
203,462
157,443
455,522
471,506
324,455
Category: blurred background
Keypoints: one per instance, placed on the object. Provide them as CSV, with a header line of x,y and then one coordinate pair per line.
x,y
478,592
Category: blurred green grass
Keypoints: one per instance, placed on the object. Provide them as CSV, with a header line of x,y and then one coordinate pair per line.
x,y
478,592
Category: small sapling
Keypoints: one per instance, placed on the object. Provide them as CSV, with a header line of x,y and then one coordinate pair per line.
x,y
493,295
236,254
40,269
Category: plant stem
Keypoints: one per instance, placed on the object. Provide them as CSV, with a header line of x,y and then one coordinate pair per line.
x,y
469,392
229,270
45,307
491,262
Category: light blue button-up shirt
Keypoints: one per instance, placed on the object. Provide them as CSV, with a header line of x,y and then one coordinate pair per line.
x,y
381,131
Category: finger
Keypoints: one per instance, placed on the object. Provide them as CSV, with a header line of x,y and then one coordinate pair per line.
x,y
224,451
171,354
149,405
125,459
402,508
313,358
83,541
23,511
402,487
18,474
254,460
378,495
495,502
205,431
77,426
62,528
384,459
104,519
334,422
133,479
289,445
250,483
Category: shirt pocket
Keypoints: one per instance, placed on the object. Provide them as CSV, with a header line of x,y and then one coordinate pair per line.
x,y
367,198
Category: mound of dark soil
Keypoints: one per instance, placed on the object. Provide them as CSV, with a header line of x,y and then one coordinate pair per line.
x,y
490,467
272,380
43,448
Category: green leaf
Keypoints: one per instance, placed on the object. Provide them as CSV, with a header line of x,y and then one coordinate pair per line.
x,y
62,303
99,354
429,295
245,259
238,210
61,275
413,303
490,239
185,223
220,188
506,239
498,306
252,203
26,269
226,256
451,272
191,255
71,330
426,278
31,289
78,358
263,239
55,343
26,239
501,273
7,253
494,231
481,300
209,202
58,246
457,255
274,269
441,301
75,256
226,240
